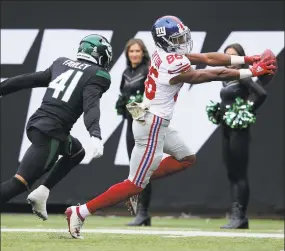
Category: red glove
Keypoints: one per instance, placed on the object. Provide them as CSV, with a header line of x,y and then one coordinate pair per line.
x,y
265,66
251,59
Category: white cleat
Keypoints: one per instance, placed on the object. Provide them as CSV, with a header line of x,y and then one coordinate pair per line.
x,y
132,204
38,200
74,221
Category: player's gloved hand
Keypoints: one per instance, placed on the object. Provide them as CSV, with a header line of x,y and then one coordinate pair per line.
x,y
97,146
265,66
251,59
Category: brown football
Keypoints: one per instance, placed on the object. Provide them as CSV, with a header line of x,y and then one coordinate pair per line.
x,y
268,53
267,78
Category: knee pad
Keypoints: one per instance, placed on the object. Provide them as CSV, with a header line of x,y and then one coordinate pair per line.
x,y
79,156
77,151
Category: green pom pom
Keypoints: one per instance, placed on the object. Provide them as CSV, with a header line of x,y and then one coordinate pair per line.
x,y
138,98
121,105
213,111
239,115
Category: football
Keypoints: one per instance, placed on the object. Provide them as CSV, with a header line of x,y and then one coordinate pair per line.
x,y
268,53
266,79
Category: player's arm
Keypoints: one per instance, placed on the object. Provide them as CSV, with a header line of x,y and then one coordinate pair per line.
x,y
92,93
25,81
207,75
259,93
220,59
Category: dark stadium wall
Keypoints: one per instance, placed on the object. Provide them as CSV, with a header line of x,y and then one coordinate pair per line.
x,y
202,189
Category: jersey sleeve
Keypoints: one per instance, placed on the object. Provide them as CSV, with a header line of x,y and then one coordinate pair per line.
x,y
176,64
25,81
92,93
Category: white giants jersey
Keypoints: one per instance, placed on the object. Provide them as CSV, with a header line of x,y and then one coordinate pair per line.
x,y
160,96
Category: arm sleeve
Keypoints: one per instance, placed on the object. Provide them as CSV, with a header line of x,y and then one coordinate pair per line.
x,y
25,81
258,95
92,93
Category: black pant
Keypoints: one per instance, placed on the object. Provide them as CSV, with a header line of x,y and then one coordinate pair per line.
x,y
130,135
236,156
43,153
41,157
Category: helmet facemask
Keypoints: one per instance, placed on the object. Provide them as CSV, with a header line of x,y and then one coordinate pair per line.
x,y
108,53
180,43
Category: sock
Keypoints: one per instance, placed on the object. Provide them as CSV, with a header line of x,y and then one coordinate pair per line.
x,y
11,188
83,211
169,166
62,167
113,195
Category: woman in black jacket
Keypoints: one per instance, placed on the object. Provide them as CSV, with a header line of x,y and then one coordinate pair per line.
x,y
132,86
236,142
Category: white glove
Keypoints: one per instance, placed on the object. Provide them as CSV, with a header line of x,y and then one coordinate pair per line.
x,y
98,147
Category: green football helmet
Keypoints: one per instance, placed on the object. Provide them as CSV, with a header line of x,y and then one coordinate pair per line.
x,y
96,49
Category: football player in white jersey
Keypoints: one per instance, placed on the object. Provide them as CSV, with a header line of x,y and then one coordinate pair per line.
x,y
170,68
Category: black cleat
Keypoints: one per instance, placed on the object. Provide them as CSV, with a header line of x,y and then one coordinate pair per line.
x,y
139,206
140,220
238,219
237,224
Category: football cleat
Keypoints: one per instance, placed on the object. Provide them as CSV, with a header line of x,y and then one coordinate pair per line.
x,y
38,201
74,221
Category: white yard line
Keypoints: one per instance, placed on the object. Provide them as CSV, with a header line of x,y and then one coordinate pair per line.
x,y
171,233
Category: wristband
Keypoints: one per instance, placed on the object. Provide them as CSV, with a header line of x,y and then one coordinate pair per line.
x,y
245,73
236,60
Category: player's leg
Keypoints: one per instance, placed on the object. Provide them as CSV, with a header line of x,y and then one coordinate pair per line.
x,y
36,160
147,154
181,156
72,154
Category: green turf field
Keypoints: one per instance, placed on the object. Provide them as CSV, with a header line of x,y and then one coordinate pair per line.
x,y
26,232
